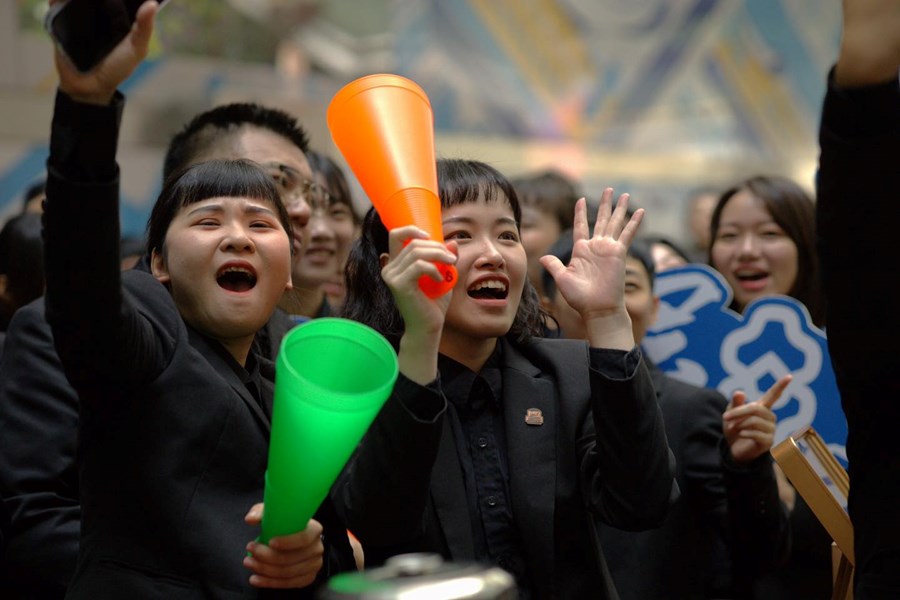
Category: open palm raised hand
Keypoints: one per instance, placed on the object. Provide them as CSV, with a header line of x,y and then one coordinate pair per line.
x,y
593,283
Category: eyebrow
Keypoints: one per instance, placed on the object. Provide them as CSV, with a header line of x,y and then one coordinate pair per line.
x,y
470,220
219,208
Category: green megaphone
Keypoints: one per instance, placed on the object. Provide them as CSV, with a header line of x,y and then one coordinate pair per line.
x,y
332,376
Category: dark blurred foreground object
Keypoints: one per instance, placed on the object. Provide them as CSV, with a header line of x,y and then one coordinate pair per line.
x,y
422,576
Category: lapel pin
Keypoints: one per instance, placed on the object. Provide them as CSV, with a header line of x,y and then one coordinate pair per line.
x,y
534,416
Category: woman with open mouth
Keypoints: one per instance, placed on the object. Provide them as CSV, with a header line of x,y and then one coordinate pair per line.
x,y
496,445
763,243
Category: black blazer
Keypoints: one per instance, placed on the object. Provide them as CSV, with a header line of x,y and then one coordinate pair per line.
x,y
38,477
172,445
684,558
404,489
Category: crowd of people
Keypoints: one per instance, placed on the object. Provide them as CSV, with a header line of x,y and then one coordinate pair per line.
x,y
526,429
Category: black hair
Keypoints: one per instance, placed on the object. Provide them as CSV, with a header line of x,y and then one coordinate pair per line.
x,y
640,250
549,191
211,179
665,241
562,249
210,127
335,180
21,261
369,300
794,211
34,190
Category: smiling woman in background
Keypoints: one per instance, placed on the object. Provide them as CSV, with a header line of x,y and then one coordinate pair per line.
x,y
763,243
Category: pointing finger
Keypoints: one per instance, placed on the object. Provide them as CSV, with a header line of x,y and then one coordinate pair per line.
x,y
774,393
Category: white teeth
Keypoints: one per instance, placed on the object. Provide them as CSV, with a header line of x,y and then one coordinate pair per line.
x,y
236,270
490,283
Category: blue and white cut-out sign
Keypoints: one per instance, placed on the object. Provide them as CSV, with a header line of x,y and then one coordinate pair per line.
x,y
698,339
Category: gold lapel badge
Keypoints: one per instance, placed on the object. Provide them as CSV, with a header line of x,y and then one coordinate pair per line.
x,y
534,416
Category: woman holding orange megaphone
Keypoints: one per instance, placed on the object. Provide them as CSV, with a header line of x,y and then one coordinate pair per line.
x,y
495,445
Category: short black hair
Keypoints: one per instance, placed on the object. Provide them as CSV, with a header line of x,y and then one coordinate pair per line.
x,y
21,261
665,241
34,190
210,127
211,179
549,191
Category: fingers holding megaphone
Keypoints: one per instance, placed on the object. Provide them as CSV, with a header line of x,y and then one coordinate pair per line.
x,y
416,261
288,561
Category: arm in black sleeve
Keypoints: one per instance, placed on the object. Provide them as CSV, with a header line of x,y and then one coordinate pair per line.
x,y
383,491
99,336
758,526
858,190
38,480
630,470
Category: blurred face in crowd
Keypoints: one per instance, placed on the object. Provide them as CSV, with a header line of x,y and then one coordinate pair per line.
x,y
326,239
752,251
540,229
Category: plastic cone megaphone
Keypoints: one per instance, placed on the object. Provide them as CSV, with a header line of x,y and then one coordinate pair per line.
x,y
384,127
331,378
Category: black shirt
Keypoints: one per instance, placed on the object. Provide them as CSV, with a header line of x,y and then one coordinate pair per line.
x,y
476,416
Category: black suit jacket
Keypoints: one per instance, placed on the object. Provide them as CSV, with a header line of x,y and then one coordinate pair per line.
x,y
722,506
600,454
172,444
38,475
38,478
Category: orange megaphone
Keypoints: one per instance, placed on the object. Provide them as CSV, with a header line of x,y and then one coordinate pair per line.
x,y
384,127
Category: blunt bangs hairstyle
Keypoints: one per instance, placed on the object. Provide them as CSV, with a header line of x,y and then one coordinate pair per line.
x,y
213,179
370,301
794,211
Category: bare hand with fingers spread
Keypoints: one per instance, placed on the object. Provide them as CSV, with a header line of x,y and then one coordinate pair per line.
x,y
593,283
750,427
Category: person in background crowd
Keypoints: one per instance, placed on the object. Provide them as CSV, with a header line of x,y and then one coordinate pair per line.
x,y
762,240
333,225
729,526
548,206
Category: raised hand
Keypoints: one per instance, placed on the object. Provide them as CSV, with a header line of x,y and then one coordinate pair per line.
x,y
288,561
750,427
870,43
593,283
98,85
423,317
